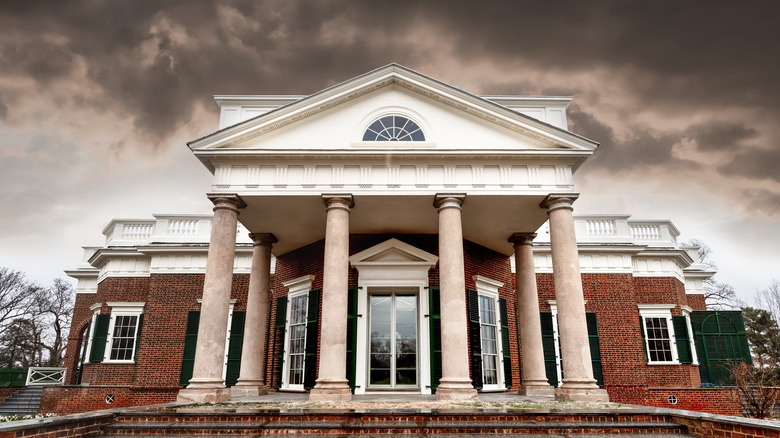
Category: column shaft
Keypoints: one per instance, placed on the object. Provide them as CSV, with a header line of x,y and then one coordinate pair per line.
x,y
578,382
455,383
533,371
332,383
207,383
250,380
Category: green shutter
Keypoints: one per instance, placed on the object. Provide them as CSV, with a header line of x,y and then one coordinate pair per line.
x,y
548,345
312,341
100,338
682,338
235,342
505,343
720,339
595,349
190,343
277,355
475,339
434,330
138,335
352,316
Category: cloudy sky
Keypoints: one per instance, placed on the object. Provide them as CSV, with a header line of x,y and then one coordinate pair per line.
x,y
98,98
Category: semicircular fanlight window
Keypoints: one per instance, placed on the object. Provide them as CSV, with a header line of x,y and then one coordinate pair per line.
x,y
393,128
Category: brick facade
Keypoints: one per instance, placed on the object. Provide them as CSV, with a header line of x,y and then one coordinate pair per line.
x,y
169,297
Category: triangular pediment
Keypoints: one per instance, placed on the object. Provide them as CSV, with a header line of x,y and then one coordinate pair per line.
x,y
393,252
333,120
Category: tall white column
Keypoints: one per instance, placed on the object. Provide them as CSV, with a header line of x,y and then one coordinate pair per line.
x,y
250,380
534,376
455,383
207,384
578,382
332,383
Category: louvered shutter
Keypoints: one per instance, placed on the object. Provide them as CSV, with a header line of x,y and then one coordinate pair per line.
x,y
100,338
312,341
235,343
190,342
595,349
548,345
352,316
682,338
505,342
434,329
475,339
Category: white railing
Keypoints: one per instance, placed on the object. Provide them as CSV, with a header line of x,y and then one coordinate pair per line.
x,y
137,231
646,232
182,226
600,227
37,376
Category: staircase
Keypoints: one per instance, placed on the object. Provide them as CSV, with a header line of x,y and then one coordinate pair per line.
x,y
385,424
24,402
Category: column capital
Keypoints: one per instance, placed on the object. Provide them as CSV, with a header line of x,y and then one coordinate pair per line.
x,y
449,200
344,201
230,201
522,238
554,201
263,239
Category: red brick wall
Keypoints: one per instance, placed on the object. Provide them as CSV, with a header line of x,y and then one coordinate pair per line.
x,y
7,392
696,301
75,399
168,298
723,401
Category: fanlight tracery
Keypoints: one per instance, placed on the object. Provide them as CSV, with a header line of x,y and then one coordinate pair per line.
x,y
393,128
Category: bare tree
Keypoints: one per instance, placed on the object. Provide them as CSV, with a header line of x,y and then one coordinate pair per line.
x,y
717,295
53,312
15,297
758,387
769,299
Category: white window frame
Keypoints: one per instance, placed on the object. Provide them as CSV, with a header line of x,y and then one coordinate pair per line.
x,y
556,340
95,308
663,311
297,287
122,309
489,288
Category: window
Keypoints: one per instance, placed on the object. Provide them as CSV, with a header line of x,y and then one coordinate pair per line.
x,y
300,334
658,332
123,332
88,332
489,336
551,345
393,128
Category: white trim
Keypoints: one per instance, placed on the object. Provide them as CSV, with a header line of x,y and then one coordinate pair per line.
x,y
556,341
489,288
659,311
122,309
686,311
301,286
95,308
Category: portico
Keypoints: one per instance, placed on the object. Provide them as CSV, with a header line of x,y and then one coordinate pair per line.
x,y
454,166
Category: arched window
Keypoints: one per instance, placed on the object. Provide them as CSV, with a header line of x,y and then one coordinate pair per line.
x,y
393,128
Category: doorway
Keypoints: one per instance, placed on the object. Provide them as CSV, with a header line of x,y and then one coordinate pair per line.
x,y
393,338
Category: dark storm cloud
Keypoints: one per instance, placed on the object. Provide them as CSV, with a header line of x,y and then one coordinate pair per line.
x,y
725,135
761,163
3,109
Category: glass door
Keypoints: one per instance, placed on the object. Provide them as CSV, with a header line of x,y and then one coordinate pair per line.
x,y
393,339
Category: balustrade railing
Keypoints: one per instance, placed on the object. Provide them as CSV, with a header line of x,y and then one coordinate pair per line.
x,y
600,227
182,226
137,231
38,376
646,232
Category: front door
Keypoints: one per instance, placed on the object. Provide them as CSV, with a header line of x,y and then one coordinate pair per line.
x,y
393,330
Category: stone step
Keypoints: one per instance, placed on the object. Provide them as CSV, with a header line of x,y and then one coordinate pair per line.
x,y
442,424
24,402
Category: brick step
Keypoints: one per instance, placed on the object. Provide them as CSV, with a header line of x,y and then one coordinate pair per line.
x,y
376,424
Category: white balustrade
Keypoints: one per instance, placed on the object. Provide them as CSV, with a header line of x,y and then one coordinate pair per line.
x,y
38,376
183,226
136,231
644,232
600,227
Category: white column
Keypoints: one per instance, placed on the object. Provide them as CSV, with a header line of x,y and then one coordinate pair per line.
x,y
455,383
250,380
578,382
533,372
207,384
332,383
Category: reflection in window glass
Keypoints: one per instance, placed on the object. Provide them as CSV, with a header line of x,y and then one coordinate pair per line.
x,y
297,343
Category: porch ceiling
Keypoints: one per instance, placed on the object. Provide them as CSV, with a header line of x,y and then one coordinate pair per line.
x,y
299,220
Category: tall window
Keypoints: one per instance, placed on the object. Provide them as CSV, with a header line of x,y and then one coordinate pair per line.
x,y
489,335
123,332
658,332
393,128
296,346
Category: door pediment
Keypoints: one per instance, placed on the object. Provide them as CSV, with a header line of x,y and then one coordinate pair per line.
x,y
393,253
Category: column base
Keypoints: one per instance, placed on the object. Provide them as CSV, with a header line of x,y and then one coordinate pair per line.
x,y
203,395
249,388
331,390
455,389
581,391
535,388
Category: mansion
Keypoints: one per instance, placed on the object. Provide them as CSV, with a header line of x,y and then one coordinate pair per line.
x,y
393,233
